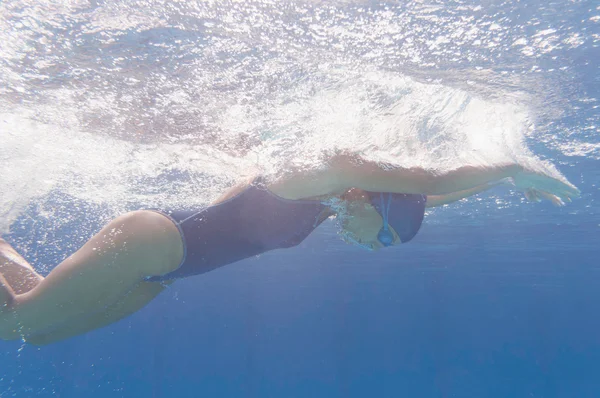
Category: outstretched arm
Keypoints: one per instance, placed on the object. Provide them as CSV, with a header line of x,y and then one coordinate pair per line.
x,y
350,171
531,193
440,200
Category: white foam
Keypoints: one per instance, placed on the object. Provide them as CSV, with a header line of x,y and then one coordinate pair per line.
x,y
145,105
384,116
37,159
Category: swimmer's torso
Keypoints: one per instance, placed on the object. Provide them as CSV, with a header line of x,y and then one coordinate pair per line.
x,y
248,224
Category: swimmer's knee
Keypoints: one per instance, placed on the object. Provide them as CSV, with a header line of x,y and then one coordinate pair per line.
x,y
154,238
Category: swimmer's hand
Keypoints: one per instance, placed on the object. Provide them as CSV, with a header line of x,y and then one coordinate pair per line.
x,y
538,186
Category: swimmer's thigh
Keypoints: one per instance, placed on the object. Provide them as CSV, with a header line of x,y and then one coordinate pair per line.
x,y
131,303
123,254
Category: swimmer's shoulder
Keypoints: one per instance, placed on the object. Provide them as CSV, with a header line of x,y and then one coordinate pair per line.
x,y
310,187
237,189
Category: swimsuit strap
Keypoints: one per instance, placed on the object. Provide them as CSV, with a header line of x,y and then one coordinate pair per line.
x,y
385,236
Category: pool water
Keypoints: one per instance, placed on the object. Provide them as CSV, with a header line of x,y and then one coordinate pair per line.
x,y
107,107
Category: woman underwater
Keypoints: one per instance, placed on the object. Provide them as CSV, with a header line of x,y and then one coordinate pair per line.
x,y
131,260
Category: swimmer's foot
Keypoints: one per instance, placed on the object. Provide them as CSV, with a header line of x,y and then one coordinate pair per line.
x,y
9,253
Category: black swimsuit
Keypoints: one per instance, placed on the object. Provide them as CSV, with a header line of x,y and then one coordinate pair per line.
x,y
256,221
251,223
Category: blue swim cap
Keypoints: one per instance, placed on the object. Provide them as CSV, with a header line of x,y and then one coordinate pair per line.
x,y
402,212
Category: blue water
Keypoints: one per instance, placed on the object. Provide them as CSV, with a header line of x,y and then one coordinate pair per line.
x,y
495,297
502,309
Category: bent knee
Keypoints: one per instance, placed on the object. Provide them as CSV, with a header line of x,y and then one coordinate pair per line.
x,y
154,238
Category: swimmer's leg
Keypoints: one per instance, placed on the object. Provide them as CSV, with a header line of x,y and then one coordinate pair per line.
x,y
7,295
17,276
17,272
111,264
131,303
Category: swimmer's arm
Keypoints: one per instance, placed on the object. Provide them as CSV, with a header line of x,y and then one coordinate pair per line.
x,y
369,176
440,200
350,171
